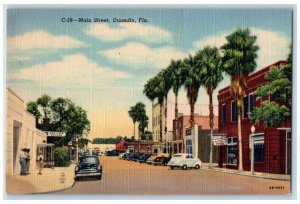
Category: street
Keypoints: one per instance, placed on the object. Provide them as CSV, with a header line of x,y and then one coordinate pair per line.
x,y
128,177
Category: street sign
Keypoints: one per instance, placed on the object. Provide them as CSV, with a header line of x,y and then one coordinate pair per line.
x,y
56,134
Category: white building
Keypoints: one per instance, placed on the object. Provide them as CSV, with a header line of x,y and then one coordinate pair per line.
x,y
20,132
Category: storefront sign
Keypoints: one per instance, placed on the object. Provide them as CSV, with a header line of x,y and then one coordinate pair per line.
x,y
56,134
219,140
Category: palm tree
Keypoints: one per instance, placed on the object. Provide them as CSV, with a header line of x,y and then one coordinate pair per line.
x,y
211,75
177,78
133,114
166,85
239,57
192,84
159,93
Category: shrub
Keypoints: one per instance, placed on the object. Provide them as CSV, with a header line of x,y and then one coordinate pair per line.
x,y
61,157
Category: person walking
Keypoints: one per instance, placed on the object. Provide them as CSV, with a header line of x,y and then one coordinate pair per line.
x,y
23,162
40,162
28,158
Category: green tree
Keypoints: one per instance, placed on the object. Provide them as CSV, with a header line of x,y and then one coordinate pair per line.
x,y
239,54
279,88
134,116
60,115
83,142
209,60
192,84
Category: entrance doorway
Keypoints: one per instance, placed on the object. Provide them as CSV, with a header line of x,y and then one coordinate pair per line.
x,y
16,138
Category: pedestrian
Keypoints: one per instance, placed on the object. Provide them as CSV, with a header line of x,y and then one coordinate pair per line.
x,y
40,162
23,162
28,158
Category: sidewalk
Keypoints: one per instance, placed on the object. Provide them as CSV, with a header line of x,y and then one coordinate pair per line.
x,y
51,180
284,177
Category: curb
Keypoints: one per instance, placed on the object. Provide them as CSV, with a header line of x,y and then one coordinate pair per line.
x,y
238,173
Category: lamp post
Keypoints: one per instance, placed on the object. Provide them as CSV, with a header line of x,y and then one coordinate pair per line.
x,y
252,149
76,140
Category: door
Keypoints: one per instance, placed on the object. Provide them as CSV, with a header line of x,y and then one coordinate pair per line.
x,y
16,138
288,152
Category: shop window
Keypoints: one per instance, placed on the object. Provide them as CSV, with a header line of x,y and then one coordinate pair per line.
x,y
223,119
232,153
233,111
251,102
259,152
189,146
245,107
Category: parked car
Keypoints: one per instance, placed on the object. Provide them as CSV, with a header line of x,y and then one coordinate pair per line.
x,y
95,152
136,156
121,155
144,157
111,153
185,161
161,160
88,166
129,156
151,159
84,154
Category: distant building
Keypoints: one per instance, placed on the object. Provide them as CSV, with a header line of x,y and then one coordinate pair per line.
x,y
135,147
21,132
101,147
272,146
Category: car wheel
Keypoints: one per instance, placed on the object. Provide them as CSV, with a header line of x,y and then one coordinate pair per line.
x,y
184,167
100,177
172,167
76,179
197,166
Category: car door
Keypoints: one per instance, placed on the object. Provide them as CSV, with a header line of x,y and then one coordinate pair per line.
x,y
190,161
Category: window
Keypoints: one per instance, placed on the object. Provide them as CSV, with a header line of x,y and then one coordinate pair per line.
x,y
251,102
246,107
258,151
232,153
223,119
131,149
189,146
233,111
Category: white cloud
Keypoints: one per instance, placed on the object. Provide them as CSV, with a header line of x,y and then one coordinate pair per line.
x,y
129,31
138,55
272,45
73,70
29,45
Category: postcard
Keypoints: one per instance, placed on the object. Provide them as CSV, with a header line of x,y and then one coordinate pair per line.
x,y
149,101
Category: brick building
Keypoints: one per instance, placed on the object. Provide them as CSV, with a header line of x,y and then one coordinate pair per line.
x,y
194,140
135,147
272,146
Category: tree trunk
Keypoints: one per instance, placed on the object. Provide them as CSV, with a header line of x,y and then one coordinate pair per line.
x,y
192,121
176,114
240,160
166,116
134,129
211,123
160,123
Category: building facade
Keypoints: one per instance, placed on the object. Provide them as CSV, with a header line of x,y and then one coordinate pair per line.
x,y
272,152
20,133
194,140
135,147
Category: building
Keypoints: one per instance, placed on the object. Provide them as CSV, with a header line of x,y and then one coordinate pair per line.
x,y
182,129
135,147
272,146
162,141
101,147
21,132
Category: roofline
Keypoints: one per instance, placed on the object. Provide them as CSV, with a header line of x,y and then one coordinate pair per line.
x,y
264,69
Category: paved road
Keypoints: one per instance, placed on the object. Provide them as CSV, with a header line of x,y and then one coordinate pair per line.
x,y
128,177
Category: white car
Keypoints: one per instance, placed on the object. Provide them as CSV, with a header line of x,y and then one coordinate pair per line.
x,y
184,161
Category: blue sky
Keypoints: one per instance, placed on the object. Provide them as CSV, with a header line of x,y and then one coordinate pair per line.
x,y
103,66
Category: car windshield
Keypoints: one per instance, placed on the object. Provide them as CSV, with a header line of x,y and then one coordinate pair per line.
x,y
177,155
89,160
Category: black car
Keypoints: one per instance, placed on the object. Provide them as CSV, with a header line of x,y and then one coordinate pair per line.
x,y
161,160
143,158
111,153
136,156
129,156
88,166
